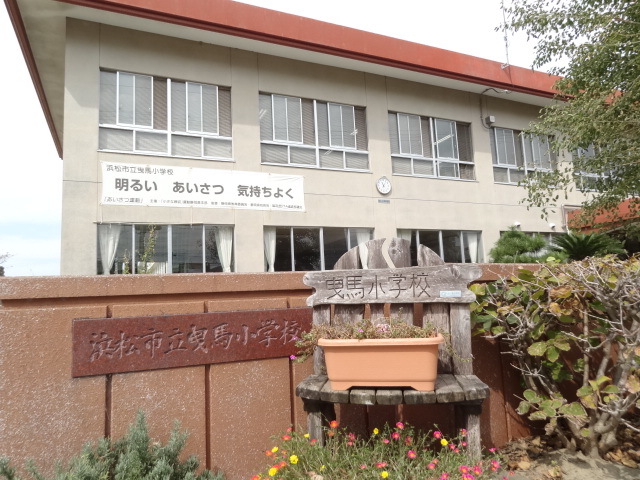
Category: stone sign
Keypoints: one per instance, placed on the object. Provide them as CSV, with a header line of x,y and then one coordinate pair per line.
x,y
117,345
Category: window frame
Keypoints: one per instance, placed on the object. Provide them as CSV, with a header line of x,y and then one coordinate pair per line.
x,y
134,232
527,155
349,233
437,162
131,136
312,151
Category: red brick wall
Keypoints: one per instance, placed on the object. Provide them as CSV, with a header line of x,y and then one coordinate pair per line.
x,y
231,410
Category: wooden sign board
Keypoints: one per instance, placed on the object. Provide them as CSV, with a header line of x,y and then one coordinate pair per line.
x,y
435,284
117,345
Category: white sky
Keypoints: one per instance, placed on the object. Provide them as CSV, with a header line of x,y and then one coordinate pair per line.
x,y
31,172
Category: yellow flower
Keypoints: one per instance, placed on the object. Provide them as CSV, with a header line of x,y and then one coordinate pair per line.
x,y
293,459
306,435
274,449
444,442
273,471
376,431
384,474
322,467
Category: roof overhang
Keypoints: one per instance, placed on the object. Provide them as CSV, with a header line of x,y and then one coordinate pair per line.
x,y
40,28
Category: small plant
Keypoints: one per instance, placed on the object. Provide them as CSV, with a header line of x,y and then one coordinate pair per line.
x,y
135,456
361,330
398,452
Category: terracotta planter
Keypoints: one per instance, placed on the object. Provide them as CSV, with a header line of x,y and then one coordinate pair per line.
x,y
392,362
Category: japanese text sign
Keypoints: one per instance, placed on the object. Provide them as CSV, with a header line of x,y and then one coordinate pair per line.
x,y
116,345
437,284
162,186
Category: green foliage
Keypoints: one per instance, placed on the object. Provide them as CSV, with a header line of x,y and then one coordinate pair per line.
x,y
578,246
149,250
573,331
515,246
364,329
398,452
596,42
133,457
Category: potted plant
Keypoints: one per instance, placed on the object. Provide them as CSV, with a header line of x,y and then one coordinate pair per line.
x,y
390,353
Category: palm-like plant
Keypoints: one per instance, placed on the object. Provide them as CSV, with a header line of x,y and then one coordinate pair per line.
x,y
578,246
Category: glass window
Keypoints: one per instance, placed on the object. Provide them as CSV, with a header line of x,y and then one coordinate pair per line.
x,y
311,248
134,116
164,249
430,147
453,246
308,133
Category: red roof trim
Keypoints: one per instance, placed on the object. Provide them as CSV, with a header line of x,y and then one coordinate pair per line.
x,y
247,21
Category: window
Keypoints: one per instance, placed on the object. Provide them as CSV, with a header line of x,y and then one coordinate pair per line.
x,y
430,147
160,116
162,249
585,180
309,248
516,155
309,133
453,246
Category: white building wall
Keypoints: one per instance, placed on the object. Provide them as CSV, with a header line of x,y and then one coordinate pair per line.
x,y
333,198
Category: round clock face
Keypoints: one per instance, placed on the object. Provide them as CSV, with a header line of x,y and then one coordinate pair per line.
x,y
383,185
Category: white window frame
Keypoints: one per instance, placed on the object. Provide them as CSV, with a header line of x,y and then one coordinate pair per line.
x,y
134,77
404,123
288,120
343,158
438,162
338,124
189,130
532,153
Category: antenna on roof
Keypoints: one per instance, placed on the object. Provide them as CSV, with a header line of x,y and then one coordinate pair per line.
x,y
506,38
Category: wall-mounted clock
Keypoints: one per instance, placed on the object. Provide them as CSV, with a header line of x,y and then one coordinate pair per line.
x,y
383,185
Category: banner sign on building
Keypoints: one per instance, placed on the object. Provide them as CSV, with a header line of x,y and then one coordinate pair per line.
x,y
162,186
118,345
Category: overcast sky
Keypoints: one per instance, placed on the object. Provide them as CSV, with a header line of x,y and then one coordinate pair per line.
x,y
31,172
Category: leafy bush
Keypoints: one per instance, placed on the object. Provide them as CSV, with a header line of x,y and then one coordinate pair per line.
x,y
578,246
133,457
573,331
515,246
395,453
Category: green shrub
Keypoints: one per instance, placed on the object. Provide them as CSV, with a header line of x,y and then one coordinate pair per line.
x,y
133,457
573,331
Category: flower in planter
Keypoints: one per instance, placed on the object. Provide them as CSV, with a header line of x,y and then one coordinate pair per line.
x,y
362,330
346,455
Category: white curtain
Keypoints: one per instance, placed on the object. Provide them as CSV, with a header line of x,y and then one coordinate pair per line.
x,y
404,234
224,245
155,268
270,247
472,242
108,236
363,235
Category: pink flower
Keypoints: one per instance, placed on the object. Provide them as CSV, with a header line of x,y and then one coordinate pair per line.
x,y
464,444
292,357
463,469
395,435
437,434
411,454
334,424
463,431
408,440
492,450
431,466
400,425
381,464
286,437
385,440
477,470
363,466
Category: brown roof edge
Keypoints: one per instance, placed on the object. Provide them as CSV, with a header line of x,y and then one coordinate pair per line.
x,y
247,21
21,34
